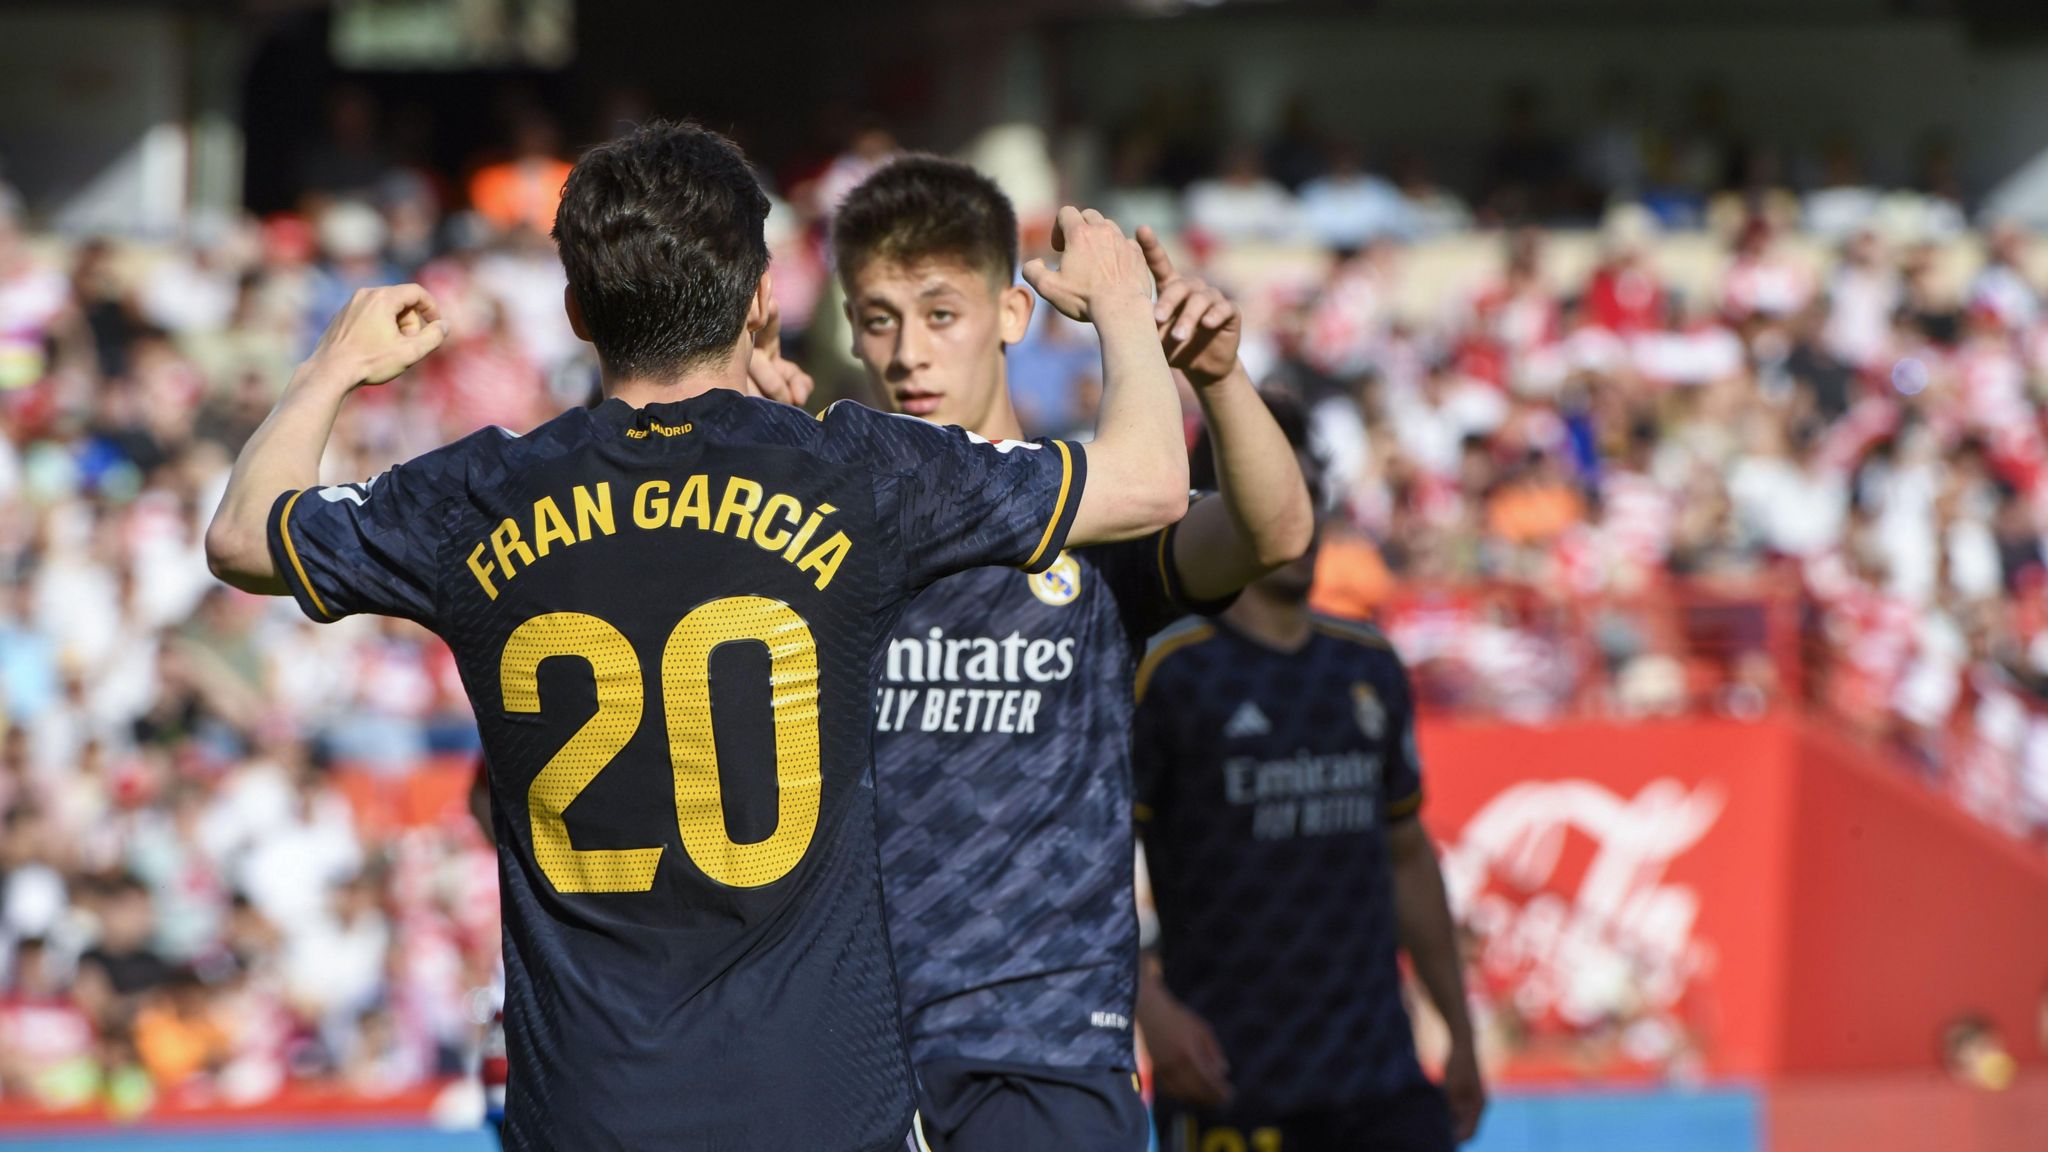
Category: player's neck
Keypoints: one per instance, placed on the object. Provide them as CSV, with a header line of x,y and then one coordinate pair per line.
x,y
1000,421
1280,624
640,391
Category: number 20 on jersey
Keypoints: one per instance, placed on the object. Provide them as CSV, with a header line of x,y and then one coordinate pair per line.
x,y
693,751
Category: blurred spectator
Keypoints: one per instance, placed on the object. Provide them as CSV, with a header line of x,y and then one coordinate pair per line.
x,y
1844,204
352,235
869,149
1433,210
1624,296
1349,207
1863,295
34,299
523,191
1242,203
2002,289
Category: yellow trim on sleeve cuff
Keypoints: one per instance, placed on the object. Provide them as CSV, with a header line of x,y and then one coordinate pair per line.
x,y
1059,507
1402,809
284,530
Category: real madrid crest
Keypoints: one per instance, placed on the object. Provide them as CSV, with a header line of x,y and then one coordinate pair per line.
x,y
1368,711
1058,584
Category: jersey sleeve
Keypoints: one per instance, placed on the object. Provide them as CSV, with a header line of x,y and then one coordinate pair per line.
x,y
349,548
1401,790
964,502
1147,583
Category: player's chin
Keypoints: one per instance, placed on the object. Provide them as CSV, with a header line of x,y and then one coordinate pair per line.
x,y
1291,591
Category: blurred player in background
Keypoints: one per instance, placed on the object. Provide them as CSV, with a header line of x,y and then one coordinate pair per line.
x,y
1003,715
694,951
1278,790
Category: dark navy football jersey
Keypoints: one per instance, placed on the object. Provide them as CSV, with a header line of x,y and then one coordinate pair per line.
x,y
667,619
1002,751
1265,781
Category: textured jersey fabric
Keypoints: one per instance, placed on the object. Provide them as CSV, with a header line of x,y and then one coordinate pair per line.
x,y
666,619
1265,782
1002,717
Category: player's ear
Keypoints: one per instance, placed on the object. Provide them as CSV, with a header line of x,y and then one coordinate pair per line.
x,y
575,312
761,308
1014,313
852,327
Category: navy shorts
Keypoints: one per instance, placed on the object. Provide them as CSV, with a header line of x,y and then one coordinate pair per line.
x,y
1415,1120
969,1106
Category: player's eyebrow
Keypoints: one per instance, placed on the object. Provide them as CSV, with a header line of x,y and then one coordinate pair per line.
x,y
937,288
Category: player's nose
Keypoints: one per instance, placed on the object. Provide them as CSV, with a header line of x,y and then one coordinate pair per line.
x,y
913,350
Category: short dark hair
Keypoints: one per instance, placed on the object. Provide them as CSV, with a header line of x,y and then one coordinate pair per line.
x,y
927,208
660,232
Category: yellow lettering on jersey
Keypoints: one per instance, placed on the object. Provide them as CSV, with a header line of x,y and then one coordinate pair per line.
x,y
803,536
483,569
593,510
506,543
694,503
825,558
549,526
742,500
650,504
775,522
780,503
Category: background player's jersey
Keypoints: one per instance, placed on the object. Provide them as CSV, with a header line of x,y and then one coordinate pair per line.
x,y
1265,780
666,619
1002,720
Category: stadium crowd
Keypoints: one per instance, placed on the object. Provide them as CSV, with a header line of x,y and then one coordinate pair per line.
x,y
192,909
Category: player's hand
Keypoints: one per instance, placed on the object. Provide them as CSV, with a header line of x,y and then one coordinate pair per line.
x,y
1101,271
1465,1091
1187,1061
1198,326
378,334
768,374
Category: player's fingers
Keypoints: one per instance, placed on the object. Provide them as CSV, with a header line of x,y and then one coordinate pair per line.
x,y
1039,275
1220,314
1048,283
1200,300
428,338
1156,258
761,376
1172,295
1064,224
800,385
399,299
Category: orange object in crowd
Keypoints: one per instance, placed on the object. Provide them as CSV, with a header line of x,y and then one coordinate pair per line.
x,y
522,193
1528,514
174,1045
1352,581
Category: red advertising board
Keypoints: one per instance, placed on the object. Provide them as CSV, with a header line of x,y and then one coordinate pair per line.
x,y
1725,899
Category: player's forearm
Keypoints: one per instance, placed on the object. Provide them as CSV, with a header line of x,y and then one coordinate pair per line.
x,y
1137,463
1430,936
1265,518
284,454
